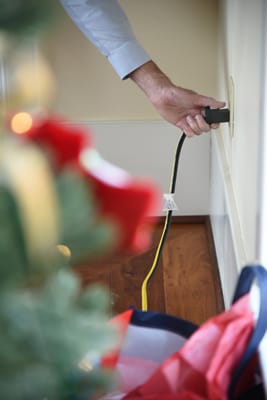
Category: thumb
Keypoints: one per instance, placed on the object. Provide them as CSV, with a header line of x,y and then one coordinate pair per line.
x,y
211,102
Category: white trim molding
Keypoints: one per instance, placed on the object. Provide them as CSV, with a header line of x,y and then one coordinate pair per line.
x,y
225,222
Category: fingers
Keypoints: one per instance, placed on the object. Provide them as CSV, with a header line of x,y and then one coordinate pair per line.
x,y
185,128
202,124
214,126
193,125
216,104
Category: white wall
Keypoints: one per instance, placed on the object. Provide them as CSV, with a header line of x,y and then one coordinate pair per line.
x,y
235,157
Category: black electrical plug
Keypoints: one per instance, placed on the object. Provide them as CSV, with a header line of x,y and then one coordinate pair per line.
x,y
216,115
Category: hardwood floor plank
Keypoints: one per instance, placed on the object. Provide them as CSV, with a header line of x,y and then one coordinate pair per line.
x,y
126,282
189,287
185,283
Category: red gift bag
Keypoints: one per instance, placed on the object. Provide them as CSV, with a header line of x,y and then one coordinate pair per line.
x,y
214,361
202,368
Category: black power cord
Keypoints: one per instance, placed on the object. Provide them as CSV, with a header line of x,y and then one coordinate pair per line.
x,y
210,116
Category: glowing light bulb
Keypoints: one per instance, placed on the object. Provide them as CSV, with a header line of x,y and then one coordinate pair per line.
x,y
85,366
21,122
65,250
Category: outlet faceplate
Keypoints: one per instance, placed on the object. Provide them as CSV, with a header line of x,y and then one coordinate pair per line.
x,y
231,87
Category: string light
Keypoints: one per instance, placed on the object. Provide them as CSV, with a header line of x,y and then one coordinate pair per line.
x,y
85,366
21,122
65,250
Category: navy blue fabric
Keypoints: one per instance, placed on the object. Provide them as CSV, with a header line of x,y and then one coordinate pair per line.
x,y
166,322
246,279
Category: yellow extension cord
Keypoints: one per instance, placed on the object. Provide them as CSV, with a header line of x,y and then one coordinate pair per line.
x,y
165,228
153,267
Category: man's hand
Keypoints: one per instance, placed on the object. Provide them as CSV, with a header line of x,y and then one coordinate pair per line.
x,y
181,107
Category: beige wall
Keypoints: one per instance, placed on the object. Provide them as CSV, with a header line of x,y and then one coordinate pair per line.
x,y
180,35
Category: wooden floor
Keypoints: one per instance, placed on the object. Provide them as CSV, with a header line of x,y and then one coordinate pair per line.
x,y
185,284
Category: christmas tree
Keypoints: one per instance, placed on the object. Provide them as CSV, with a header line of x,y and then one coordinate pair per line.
x,y
57,207
51,334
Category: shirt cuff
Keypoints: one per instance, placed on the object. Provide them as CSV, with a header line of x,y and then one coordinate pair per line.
x,y
127,58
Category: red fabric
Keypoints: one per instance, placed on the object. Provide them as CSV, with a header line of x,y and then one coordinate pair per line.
x,y
121,321
202,368
127,205
62,141
187,395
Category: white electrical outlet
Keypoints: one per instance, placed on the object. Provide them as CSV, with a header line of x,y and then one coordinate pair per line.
x,y
231,94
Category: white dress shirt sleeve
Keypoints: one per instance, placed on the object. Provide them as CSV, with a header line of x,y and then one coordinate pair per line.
x,y
105,24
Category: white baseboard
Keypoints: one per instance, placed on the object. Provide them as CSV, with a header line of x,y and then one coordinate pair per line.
x,y
225,223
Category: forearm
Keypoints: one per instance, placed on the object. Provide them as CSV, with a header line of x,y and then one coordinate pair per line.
x,y
151,80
